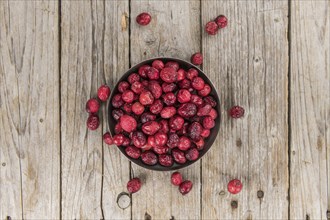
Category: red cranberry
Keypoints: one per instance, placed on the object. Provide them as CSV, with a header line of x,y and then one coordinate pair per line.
x,y
176,178
196,100
178,156
156,107
184,143
195,130
184,96
173,140
197,83
181,74
139,139
160,149
211,28
122,86
143,19
210,100
197,59
204,110
155,89
118,139
150,127
117,101
221,21
107,138
151,142
164,126
184,129
92,106
176,122
117,113
93,122
200,144
205,133
234,186
118,129
168,112
127,107
169,87
192,73
158,64
134,77
185,84
147,116
134,185
137,108
172,64
149,157
195,119
128,96
187,110
213,113
133,152
143,71
169,98
185,187
160,139
208,122
192,154
205,91
126,142
128,123
103,93
168,75
146,98
165,160
145,83
153,73
236,112
137,87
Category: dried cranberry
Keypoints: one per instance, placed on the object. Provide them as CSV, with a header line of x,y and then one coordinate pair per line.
x,y
160,149
208,122
197,83
150,127
176,122
176,178
117,101
184,143
172,64
153,73
213,113
195,130
173,140
137,87
107,138
156,107
160,139
192,154
181,74
145,83
118,139
184,129
192,73
165,160
168,112
205,91
146,98
185,84
117,113
185,187
150,142
211,28
234,186
122,86
200,144
184,96
204,110
164,126
178,156
169,98
103,93
147,116
149,157
155,89
134,185
158,64
118,128
133,152
205,133
128,96
134,77
168,75
143,71
137,108
93,122
128,123
126,142
139,139
143,18
169,87
92,106
196,100
236,112
210,100
197,59
221,21
187,110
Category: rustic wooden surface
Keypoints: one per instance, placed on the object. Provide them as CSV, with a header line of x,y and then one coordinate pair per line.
x,y
272,59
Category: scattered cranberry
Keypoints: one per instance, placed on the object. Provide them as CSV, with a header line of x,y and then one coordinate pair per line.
x,y
134,77
208,122
145,83
118,139
178,156
168,74
236,112
107,138
197,59
149,157
165,160
146,98
158,64
133,152
197,83
103,93
211,28
127,107
137,108
168,112
139,139
172,64
93,122
128,123
185,187
185,84
184,96
128,96
176,178
235,186
184,129
184,143
150,142
143,19
221,21
134,185
122,86
150,127
92,106
192,72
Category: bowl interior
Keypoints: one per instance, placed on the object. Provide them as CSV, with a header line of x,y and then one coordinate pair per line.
x,y
208,141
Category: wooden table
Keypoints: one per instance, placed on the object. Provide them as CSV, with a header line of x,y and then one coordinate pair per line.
x,y
272,59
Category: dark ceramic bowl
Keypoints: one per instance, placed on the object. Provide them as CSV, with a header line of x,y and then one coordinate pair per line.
x,y
208,141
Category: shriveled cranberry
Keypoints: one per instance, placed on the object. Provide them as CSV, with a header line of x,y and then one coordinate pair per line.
x,y
117,101
117,113
185,84
122,86
200,144
168,112
158,64
156,107
184,129
184,143
211,28
197,83
184,96
103,93
128,96
176,122
165,160
164,128
196,99
146,98
169,98
195,119
147,116
173,140
139,139
187,110
134,185
160,149
181,74
168,74
93,122
197,59
143,71
150,142
208,122
192,73
137,87
134,77
205,91
204,110
143,18
210,100
178,156
145,83
176,178
118,129
118,139
92,106
133,152
126,142
192,154
160,139
169,87
195,130
153,73
149,157
234,186
150,127
137,108
205,133
185,187
172,64
155,89
221,21
236,112
107,138
128,123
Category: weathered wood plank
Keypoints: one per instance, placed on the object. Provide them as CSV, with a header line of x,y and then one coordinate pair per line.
x,y
248,62
174,31
310,121
29,109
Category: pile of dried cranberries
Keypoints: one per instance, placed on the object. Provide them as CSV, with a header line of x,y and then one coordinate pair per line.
x,y
163,114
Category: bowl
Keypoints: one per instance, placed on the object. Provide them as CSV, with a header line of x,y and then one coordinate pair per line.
x,y
208,141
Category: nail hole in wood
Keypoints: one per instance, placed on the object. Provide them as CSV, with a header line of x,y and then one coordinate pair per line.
x,y
147,216
260,194
123,200
239,142
293,152
172,218
41,120
307,217
8,217
328,215
145,53
234,204
3,164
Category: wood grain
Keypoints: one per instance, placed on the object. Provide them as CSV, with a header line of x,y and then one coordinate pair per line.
x,y
174,31
248,63
29,109
310,109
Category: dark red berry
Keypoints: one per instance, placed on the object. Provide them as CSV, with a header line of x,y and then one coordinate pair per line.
x,y
178,156
155,89
208,122
107,138
197,83
137,108
122,86
183,96
213,113
160,139
150,127
192,154
200,144
145,83
127,107
118,139
168,74
133,152
139,139
172,64
176,123
173,140
126,142
164,128
134,185
205,133
149,157
165,160
93,122
181,74
195,130
211,28
176,178
128,96
196,100
204,110
147,116
158,64
210,100
184,129
134,77
150,143
160,149
118,128
103,93
117,113
143,71
236,112
143,19
146,98
205,91
137,87
187,110
221,21
156,107
168,112
128,123
197,59
153,73
92,106
184,143
192,73
169,98
117,101
168,87
185,187
185,84
235,186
